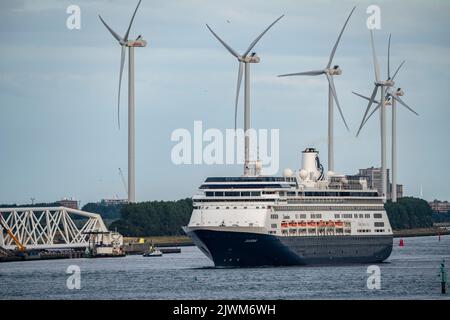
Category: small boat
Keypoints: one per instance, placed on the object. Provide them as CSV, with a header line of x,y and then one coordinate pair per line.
x,y
153,252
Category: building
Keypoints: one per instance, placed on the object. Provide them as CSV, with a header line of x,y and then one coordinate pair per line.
x,y
69,203
440,206
113,202
373,177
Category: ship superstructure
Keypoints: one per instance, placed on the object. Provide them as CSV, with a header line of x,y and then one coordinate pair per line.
x,y
298,218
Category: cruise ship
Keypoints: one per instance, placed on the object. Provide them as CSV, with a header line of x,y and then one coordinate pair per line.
x,y
300,218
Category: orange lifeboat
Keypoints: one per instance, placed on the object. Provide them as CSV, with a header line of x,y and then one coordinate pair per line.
x,y
292,224
301,223
284,224
312,224
339,223
330,223
321,223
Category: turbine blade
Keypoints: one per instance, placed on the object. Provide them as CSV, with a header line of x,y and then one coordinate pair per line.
x,y
374,93
339,38
260,36
125,38
307,73
389,57
333,90
115,35
239,79
398,69
373,111
230,49
397,98
364,97
375,60
122,61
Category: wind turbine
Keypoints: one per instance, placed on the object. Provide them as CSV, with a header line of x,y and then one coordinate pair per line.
x,y
244,60
382,85
124,42
391,98
329,72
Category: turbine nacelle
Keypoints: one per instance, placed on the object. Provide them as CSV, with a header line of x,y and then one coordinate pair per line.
x,y
136,43
335,71
253,58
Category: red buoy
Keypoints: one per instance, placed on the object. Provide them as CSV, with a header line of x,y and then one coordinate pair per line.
x,y
401,243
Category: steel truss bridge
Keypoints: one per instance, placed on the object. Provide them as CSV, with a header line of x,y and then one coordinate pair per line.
x,y
48,228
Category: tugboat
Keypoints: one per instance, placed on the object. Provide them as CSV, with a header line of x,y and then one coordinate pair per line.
x,y
153,252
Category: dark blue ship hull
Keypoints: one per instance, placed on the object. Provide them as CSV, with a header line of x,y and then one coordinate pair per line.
x,y
242,249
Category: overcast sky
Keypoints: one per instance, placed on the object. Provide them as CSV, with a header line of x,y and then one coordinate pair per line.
x,y
58,91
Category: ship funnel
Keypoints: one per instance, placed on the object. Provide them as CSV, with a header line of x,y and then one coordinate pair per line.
x,y
312,169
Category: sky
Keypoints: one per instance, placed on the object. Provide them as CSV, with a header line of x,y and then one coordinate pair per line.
x,y
58,91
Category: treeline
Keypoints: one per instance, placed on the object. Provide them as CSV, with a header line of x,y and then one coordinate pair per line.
x,y
107,211
153,218
441,217
409,213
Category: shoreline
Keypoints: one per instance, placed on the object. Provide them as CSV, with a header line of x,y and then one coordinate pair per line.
x,y
420,232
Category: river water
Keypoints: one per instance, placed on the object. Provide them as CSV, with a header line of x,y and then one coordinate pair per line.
x,y
411,272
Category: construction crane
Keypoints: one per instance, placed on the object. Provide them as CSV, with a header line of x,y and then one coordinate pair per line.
x,y
19,245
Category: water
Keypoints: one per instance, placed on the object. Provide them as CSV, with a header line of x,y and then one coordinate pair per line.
x,y
410,273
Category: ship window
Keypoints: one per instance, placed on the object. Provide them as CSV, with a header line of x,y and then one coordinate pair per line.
x,y
209,194
232,194
217,207
379,224
273,225
218,194
337,216
377,215
234,207
255,194
245,194
367,215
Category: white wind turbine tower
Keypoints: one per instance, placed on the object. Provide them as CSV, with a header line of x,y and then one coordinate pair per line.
x,y
244,62
382,85
130,44
329,72
391,98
